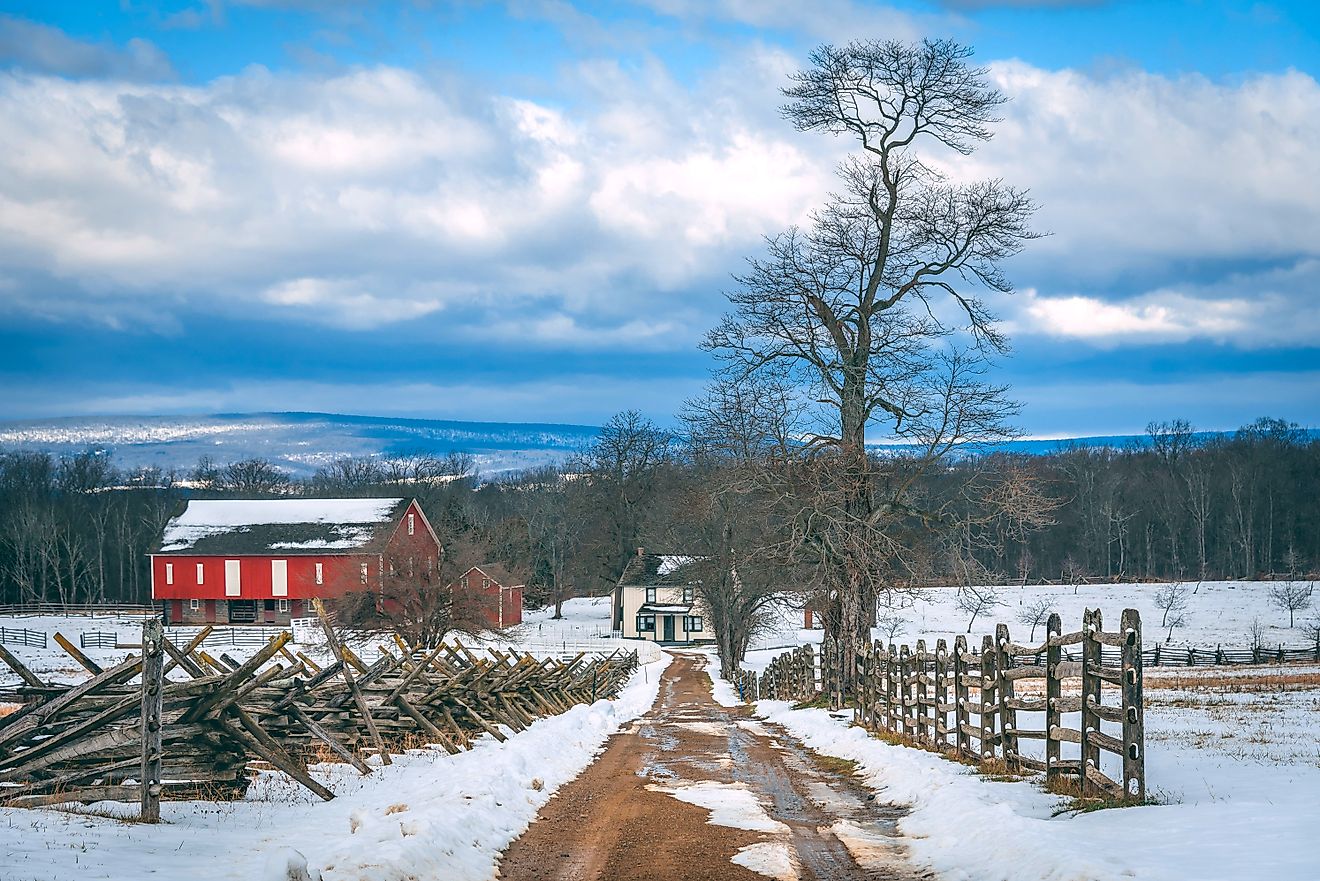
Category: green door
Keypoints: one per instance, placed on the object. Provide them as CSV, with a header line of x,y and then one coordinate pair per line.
x,y
669,628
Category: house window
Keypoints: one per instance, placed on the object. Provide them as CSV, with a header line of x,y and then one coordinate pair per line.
x,y
692,623
201,574
364,573
687,594
646,624
320,573
169,573
282,605
650,594
411,524
194,605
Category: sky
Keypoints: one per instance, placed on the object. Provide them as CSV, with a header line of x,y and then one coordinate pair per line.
x,y
531,210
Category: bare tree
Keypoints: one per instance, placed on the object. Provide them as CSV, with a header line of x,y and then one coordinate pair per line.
x,y
1256,633
1035,614
1311,627
1292,597
1172,600
892,625
851,312
976,600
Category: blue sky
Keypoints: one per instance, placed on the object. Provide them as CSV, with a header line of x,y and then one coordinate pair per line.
x,y
528,210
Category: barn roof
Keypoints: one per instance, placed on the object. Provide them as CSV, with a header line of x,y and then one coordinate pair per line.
x,y
499,574
281,526
659,570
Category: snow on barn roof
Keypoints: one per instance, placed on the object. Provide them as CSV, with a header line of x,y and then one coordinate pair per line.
x,y
262,526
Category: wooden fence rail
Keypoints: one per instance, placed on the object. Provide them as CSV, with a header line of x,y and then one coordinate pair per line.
x,y
24,637
965,702
195,735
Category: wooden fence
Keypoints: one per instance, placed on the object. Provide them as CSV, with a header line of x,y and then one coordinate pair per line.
x,y
965,703
22,636
91,610
196,735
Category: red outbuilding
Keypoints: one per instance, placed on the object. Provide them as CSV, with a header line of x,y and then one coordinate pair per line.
x,y
496,594
263,560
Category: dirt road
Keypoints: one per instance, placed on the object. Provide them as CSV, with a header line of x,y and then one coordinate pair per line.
x,y
697,791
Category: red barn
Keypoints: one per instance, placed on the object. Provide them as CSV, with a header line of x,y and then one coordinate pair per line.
x,y
262,560
496,594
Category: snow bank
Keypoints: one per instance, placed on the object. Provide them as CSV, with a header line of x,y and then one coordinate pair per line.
x,y
1231,818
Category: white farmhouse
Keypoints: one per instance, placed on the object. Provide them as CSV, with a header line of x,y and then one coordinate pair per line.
x,y
657,598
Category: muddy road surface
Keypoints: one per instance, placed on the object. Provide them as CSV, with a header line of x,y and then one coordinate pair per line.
x,y
700,792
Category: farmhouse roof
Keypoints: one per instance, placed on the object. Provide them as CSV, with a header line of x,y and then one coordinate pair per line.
x,y
281,526
659,570
498,574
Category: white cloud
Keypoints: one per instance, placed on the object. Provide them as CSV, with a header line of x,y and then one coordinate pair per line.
x,y
378,195
1254,310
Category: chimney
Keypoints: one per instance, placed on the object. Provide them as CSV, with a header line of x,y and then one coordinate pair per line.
x,y
641,552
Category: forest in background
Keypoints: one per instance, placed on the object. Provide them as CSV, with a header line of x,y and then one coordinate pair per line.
x,y
1246,505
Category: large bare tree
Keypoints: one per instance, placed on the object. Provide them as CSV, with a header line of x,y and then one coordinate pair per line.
x,y
875,313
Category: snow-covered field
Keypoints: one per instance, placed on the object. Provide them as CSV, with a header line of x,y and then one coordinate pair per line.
x,y
429,815
1218,613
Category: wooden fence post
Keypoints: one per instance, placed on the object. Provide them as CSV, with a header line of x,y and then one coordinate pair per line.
x,y
919,687
960,711
1053,696
941,695
988,697
1004,686
1091,662
1134,730
153,690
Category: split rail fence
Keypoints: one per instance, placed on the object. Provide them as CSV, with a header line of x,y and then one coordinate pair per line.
x,y
965,702
133,732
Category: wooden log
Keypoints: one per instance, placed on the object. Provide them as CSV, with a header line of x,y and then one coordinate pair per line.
x,y
265,746
76,653
18,667
328,739
363,709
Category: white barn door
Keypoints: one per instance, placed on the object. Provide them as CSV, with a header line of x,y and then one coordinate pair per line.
x,y
233,581
279,578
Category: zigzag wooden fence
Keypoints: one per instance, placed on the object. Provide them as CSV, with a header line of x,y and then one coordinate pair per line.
x,y
196,735
965,702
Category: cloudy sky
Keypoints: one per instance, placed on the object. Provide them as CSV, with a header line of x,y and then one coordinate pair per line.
x,y
529,210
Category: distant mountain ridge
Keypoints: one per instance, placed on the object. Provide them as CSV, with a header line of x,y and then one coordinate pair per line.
x,y
299,442
303,442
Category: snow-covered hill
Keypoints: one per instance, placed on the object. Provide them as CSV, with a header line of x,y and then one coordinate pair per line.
x,y
299,442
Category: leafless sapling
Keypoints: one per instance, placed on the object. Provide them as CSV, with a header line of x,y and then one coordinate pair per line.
x,y
1291,597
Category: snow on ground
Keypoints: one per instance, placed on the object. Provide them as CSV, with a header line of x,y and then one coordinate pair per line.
x,y
1219,613
429,815
1229,814
584,618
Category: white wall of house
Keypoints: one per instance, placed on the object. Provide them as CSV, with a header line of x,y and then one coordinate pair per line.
x,y
636,597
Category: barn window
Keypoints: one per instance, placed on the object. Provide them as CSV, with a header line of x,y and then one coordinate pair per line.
x,y
411,523
485,584
169,573
410,567
194,605
279,578
429,563
364,573
320,573
650,594
201,574
283,605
